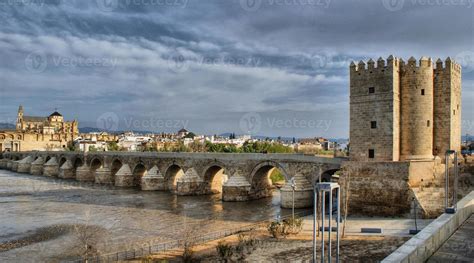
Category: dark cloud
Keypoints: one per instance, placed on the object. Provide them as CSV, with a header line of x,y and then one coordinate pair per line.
x,y
209,63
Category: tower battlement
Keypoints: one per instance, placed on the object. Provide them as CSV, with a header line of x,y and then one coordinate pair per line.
x,y
404,110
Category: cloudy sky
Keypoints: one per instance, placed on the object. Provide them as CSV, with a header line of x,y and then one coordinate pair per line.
x,y
268,67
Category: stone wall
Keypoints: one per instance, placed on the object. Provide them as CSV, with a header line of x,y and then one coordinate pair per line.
x,y
377,188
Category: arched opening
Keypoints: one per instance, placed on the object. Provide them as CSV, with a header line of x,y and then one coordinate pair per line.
x,y
173,173
47,159
95,164
62,161
116,165
330,176
266,179
138,172
77,163
215,179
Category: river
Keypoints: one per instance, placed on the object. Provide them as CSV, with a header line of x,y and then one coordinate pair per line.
x,y
125,217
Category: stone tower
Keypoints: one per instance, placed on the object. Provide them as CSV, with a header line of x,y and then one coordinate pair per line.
x,y
404,111
19,119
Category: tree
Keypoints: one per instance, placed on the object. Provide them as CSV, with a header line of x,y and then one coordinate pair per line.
x,y
113,146
190,135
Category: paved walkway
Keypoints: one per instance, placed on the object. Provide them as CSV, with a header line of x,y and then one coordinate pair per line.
x,y
459,247
389,226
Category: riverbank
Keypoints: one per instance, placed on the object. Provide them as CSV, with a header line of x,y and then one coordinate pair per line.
x,y
355,246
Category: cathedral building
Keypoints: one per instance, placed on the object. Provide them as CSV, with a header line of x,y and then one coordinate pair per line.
x,y
34,133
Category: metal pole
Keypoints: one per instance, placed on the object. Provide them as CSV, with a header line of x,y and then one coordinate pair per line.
x,y
338,220
323,212
293,205
456,170
314,222
446,199
330,228
414,206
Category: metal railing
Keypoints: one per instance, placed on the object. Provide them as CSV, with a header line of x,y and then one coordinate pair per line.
x,y
164,246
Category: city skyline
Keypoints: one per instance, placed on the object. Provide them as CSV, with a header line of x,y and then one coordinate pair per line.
x,y
274,73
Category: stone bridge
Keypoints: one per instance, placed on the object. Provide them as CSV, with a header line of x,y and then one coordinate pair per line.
x,y
238,177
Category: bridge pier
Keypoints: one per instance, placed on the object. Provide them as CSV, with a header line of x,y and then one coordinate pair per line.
x,y
303,193
103,175
237,188
25,164
124,176
84,174
9,164
190,184
67,170
37,166
3,163
153,180
14,166
51,168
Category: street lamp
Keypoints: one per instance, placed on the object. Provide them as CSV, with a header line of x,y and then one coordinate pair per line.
x,y
452,209
293,186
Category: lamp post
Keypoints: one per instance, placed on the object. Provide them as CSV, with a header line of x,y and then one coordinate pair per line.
x,y
452,209
293,186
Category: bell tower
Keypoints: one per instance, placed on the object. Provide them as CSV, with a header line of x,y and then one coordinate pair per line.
x,y
19,120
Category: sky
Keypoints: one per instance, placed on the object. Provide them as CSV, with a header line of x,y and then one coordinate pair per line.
x,y
262,67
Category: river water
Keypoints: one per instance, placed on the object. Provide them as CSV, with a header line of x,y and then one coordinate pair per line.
x,y
126,217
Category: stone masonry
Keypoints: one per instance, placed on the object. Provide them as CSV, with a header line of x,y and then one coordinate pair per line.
x,y
403,118
239,177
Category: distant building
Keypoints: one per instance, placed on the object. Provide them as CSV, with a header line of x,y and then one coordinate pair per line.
x,y
182,133
39,133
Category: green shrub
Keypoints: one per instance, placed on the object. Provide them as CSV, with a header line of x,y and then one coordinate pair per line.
x,y
293,226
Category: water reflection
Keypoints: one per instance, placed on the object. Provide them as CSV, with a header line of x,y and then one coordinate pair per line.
x,y
28,202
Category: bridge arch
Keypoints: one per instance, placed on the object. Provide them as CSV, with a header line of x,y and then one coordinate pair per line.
x,y
214,177
138,172
261,184
62,160
95,164
172,174
328,175
115,166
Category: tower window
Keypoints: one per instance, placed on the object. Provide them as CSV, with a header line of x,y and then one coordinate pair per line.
x,y
454,112
371,89
371,153
423,92
428,123
373,125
